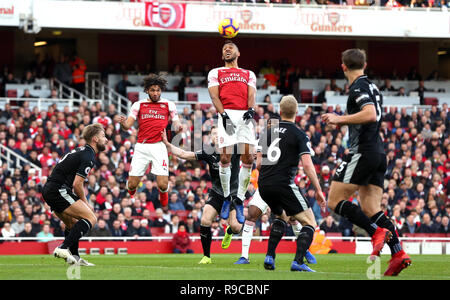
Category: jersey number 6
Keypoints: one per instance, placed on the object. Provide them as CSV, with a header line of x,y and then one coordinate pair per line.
x,y
274,152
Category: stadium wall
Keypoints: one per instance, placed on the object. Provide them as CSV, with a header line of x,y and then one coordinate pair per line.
x,y
154,247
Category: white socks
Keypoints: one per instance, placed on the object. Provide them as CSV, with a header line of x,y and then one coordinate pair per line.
x,y
225,175
244,180
247,234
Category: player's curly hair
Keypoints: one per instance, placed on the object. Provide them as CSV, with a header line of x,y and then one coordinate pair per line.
x,y
153,79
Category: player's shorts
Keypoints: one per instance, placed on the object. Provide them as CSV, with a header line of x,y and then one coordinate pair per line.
x,y
243,133
285,197
362,169
58,197
258,202
144,154
216,201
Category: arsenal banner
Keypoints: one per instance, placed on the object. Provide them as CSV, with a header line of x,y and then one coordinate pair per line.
x,y
165,15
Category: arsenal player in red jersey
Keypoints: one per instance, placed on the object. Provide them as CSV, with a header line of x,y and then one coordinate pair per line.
x,y
153,115
233,93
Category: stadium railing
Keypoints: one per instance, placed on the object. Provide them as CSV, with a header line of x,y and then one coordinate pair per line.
x,y
44,103
431,237
99,90
14,160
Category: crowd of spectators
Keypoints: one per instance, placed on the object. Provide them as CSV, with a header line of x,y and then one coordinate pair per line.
x,y
416,184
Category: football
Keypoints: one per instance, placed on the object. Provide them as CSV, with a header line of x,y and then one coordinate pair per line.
x,y
228,28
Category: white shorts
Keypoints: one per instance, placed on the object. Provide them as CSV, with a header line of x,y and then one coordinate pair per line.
x,y
243,133
144,154
258,202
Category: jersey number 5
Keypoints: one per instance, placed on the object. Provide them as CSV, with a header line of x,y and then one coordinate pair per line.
x,y
377,98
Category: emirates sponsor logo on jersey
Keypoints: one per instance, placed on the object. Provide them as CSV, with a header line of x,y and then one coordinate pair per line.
x,y
153,114
233,77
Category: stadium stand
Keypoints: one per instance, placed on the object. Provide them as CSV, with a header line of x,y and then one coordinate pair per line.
x,y
416,141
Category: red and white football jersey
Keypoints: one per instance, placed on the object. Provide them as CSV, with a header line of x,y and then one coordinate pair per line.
x,y
233,86
104,121
152,118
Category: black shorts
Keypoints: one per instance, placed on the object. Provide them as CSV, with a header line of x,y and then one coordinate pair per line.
x,y
58,197
216,201
362,169
284,197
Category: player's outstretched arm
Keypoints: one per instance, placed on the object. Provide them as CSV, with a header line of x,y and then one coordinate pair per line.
x,y
310,171
126,122
368,114
188,155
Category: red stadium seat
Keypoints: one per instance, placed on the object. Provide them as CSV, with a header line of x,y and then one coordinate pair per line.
x,y
191,97
182,214
11,93
205,106
157,231
133,96
334,234
306,96
431,101
152,215
194,184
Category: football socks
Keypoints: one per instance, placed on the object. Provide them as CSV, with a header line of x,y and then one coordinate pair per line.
x,y
381,220
355,215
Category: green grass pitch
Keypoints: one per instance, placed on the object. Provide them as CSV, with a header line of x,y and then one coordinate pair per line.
x,y
186,267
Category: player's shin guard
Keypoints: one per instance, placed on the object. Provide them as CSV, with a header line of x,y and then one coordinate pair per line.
x,y
244,180
355,215
225,175
205,236
277,232
382,221
304,240
74,248
76,233
247,234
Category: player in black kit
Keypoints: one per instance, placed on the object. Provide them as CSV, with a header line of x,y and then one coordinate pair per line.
x,y
363,169
215,201
69,174
282,146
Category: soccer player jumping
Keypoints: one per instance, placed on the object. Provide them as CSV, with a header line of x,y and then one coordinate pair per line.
x,y
153,115
363,169
233,93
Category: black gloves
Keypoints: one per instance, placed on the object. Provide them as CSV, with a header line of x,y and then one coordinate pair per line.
x,y
249,115
227,124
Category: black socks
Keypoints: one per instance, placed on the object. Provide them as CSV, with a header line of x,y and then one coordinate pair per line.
x,y
355,215
304,240
74,248
76,233
205,236
381,220
277,232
